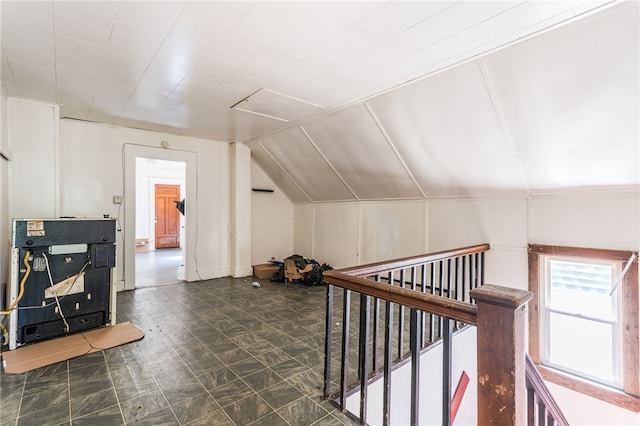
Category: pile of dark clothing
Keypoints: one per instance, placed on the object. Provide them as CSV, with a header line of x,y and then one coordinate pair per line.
x,y
299,270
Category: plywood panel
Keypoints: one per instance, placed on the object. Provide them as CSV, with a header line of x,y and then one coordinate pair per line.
x,y
335,231
303,229
277,175
447,132
571,101
604,221
355,146
391,230
271,220
302,161
457,223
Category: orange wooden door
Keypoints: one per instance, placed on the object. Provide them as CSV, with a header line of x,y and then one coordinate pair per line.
x,y
167,216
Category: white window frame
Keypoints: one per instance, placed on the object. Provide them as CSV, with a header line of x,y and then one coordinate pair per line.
x,y
616,323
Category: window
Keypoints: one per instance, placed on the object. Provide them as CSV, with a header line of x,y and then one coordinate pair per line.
x,y
583,321
578,312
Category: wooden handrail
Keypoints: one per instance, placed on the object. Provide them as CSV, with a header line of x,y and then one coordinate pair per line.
x,y
541,391
406,262
438,305
505,382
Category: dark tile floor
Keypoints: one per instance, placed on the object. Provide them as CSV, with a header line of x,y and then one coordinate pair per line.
x,y
216,352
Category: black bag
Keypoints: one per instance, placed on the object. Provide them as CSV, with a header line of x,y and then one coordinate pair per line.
x,y
314,277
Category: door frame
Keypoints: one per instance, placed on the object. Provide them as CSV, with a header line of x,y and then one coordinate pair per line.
x,y
131,152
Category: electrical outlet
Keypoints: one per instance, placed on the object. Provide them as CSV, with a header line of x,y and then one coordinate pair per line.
x,y
117,199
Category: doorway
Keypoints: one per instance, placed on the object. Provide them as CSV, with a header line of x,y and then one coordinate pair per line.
x,y
136,201
159,224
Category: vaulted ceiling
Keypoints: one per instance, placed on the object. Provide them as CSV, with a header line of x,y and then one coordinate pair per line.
x,y
354,100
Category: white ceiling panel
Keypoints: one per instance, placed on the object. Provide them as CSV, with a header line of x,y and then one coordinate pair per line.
x,y
39,26
302,161
69,27
571,101
395,17
450,21
77,63
40,10
8,82
36,83
75,47
510,21
97,13
39,54
334,17
135,37
353,144
155,17
224,13
447,132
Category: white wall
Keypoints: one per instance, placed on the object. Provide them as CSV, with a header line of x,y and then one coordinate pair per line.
x,y
240,192
35,165
74,168
92,172
346,234
4,199
271,220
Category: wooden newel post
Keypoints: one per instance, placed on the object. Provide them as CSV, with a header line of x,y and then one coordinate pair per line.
x,y
501,354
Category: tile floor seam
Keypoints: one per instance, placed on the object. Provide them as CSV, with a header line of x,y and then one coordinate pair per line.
x,y
206,390
113,387
161,391
24,385
69,391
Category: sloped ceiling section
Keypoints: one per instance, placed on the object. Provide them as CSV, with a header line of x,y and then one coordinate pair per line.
x,y
559,110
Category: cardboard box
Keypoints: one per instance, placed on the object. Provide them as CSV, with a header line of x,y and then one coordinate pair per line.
x,y
292,274
265,270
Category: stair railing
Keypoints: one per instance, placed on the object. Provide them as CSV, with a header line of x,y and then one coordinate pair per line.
x,y
441,292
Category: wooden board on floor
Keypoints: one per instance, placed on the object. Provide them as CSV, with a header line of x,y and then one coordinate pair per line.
x,y
36,355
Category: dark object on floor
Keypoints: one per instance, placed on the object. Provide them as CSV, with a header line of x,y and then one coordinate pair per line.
x,y
278,277
299,270
315,277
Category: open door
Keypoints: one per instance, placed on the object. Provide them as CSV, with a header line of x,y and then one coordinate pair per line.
x,y
167,219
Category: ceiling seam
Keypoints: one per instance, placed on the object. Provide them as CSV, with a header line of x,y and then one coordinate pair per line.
x,y
11,74
504,127
283,170
329,162
150,61
55,56
93,95
386,136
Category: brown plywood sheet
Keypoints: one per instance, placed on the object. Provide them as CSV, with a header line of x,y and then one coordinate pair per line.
x,y
49,352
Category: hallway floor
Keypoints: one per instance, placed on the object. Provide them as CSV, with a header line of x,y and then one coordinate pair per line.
x,y
217,352
158,267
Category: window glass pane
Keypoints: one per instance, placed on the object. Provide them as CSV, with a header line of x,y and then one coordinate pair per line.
x,y
577,287
582,346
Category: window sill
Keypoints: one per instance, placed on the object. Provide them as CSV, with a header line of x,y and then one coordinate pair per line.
x,y
612,396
